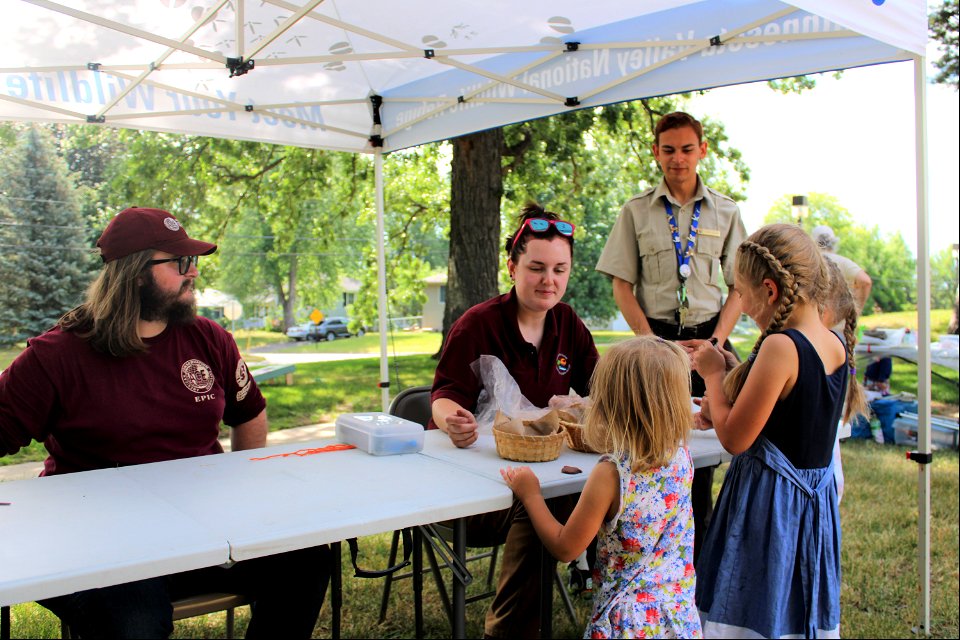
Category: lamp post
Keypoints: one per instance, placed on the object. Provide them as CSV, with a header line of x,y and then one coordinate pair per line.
x,y
800,208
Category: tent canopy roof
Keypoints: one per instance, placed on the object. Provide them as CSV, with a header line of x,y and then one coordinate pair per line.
x,y
321,73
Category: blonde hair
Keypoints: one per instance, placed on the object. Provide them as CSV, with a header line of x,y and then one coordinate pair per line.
x,y
641,402
109,314
785,254
839,300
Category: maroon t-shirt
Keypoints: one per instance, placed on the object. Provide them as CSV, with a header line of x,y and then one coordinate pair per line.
x,y
565,360
92,410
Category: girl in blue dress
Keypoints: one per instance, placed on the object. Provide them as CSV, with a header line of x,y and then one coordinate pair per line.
x,y
636,500
770,565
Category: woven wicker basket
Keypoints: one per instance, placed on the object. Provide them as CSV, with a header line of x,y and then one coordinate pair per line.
x,y
512,446
574,433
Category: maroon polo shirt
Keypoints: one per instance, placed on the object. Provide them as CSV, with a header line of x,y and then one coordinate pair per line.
x,y
94,411
565,360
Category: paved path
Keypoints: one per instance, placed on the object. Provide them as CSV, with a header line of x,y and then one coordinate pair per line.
x,y
295,434
279,357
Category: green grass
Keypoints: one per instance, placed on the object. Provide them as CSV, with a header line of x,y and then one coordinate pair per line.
x,y
880,583
939,320
397,342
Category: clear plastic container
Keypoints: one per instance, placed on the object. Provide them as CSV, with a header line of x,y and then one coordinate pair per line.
x,y
380,434
944,433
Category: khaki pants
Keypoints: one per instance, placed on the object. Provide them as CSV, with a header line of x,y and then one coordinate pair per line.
x,y
515,611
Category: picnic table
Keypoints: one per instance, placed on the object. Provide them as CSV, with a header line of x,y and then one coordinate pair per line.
x,y
272,371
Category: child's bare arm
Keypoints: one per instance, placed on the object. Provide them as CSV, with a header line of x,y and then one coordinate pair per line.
x,y
599,500
772,375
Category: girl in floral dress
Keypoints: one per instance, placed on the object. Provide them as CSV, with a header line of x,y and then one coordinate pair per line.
x,y
636,500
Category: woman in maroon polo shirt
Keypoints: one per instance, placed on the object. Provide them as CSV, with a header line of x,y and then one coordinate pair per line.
x,y
548,351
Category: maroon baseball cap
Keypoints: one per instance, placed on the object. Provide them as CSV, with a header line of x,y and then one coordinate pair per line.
x,y
139,228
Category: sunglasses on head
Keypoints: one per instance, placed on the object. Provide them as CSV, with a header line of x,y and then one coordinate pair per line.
x,y
541,225
183,262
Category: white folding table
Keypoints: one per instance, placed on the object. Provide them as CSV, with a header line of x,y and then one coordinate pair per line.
x,y
86,530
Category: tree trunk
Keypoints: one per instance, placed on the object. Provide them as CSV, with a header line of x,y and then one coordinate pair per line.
x,y
476,187
289,301
954,324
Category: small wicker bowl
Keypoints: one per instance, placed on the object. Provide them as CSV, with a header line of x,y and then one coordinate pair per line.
x,y
574,433
512,446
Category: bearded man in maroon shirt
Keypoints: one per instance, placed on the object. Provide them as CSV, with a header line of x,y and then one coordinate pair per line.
x,y
132,376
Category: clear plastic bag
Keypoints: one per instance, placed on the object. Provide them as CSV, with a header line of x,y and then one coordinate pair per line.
x,y
500,393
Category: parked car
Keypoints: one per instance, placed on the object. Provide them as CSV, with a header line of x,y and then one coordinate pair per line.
x,y
302,332
332,328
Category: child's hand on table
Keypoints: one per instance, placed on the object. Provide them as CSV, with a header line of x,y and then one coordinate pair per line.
x,y
522,481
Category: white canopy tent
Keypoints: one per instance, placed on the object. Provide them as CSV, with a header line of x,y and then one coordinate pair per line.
x,y
375,76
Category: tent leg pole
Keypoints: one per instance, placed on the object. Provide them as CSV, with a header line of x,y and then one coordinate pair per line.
x,y
381,282
923,340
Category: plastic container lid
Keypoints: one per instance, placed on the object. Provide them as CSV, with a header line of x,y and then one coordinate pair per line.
x,y
379,433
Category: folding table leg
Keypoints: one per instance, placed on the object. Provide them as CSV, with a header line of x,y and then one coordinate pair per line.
x,y
418,581
459,588
336,590
5,623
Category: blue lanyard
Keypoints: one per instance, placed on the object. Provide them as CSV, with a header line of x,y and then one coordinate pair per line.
x,y
683,257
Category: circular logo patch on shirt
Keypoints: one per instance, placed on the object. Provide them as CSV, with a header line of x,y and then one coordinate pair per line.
x,y
563,363
196,376
171,224
243,375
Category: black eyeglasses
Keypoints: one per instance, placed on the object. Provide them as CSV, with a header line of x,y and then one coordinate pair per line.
x,y
183,262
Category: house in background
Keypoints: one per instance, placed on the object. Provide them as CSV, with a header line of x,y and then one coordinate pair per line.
x,y
349,288
435,287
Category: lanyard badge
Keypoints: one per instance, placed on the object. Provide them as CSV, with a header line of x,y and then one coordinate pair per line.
x,y
683,258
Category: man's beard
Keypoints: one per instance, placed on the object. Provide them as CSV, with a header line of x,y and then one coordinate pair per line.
x,y
157,305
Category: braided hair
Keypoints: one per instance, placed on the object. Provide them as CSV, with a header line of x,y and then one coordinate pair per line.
x,y
785,254
839,301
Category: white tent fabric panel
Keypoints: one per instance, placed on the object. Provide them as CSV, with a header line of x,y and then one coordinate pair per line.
x,y
442,69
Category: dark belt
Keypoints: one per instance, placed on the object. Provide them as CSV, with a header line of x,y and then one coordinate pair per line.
x,y
670,331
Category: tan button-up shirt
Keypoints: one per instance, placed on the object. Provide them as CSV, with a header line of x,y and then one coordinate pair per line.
x,y
640,250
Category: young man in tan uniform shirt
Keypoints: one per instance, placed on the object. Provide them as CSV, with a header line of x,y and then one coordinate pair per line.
x,y
647,267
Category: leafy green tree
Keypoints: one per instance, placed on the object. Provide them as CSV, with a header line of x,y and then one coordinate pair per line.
x,y
46,261
886,258
944,27
417,192
285,218
943,278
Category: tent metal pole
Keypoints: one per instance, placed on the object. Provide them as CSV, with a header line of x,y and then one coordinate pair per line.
x,y
923,340
381,281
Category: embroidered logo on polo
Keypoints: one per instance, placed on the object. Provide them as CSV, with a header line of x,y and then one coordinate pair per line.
x,y
563,364
197,376
243,380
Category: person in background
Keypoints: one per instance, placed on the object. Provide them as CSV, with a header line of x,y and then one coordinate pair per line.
x,y
637,498
132,375
548,351
857,279
665,255
839,309
877,375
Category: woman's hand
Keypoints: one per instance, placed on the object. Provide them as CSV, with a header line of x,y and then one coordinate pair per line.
x,y
462,428
522,481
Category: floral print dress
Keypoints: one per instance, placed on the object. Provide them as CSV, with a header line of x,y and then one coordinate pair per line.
x,y
644,563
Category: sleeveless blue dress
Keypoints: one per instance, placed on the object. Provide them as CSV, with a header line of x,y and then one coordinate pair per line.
x,y
770,564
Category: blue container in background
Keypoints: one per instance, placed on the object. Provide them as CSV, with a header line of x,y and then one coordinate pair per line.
x,y
886,410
